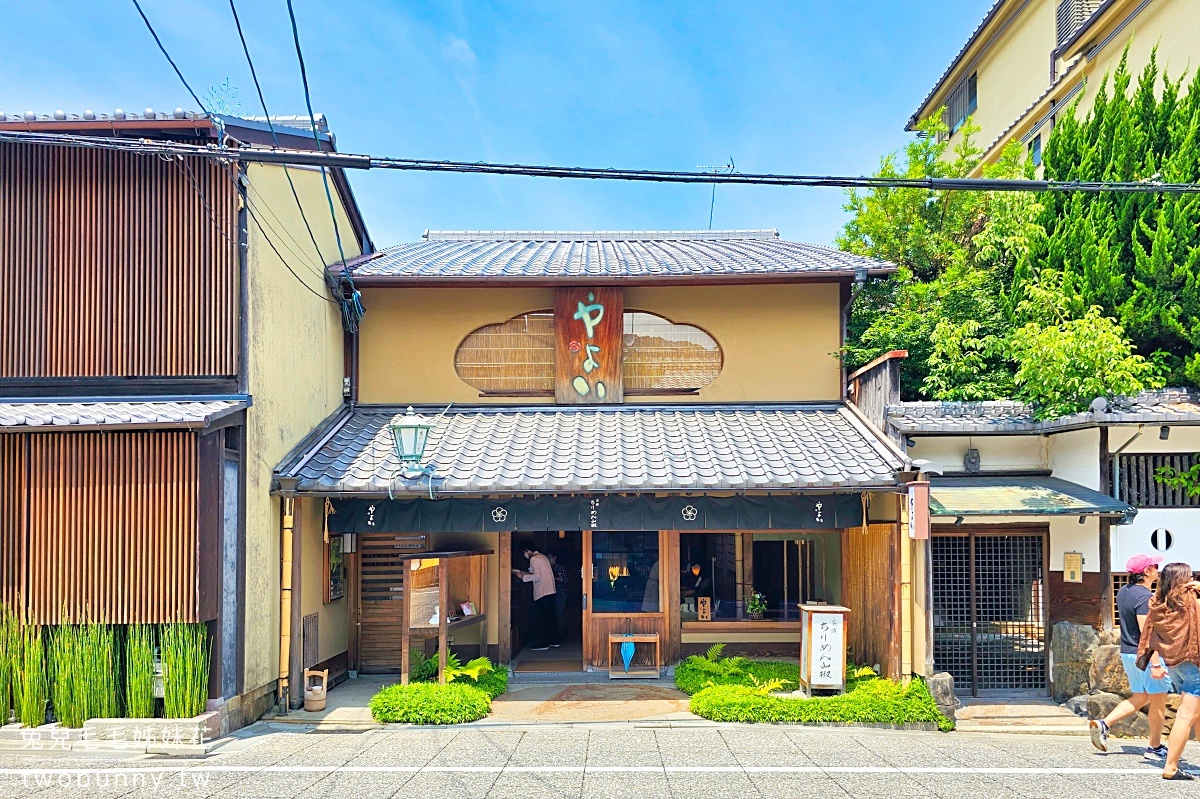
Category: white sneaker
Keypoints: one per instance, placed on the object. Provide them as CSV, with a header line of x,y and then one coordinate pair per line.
x,y
1099,732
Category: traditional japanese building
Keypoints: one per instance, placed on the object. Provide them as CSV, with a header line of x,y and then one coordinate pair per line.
x,y
663,411
158,317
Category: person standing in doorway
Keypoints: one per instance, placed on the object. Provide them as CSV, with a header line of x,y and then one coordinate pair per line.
x,y
1133,605
545,624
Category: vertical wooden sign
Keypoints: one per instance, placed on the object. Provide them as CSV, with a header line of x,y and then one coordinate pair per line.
x,y
588,345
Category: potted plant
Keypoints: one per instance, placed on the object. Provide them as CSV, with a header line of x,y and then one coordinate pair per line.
x,y
756,605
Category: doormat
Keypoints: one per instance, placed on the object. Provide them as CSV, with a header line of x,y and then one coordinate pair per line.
x,y
529,666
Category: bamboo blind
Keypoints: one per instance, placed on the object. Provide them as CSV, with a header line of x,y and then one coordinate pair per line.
x,y
869,590
110,525
116,265
518,355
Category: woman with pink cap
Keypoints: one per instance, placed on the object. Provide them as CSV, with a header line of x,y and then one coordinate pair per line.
x,y
1133,605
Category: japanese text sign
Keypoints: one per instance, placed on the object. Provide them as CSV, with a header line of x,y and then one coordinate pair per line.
x,y
589,345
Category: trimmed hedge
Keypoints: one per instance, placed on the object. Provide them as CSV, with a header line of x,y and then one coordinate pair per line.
x,y
493,683
870,701
430,703
694,674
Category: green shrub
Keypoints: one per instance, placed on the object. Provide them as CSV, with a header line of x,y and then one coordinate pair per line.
x,y
430,703
872,701
139,671
185,658
492,683
696,672
10,649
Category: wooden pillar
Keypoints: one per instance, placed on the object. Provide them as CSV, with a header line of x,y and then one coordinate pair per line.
x,y
747,571
443,612
1106,581
504,599
353,609
405,619
670,573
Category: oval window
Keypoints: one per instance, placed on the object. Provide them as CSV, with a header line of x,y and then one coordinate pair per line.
x,y
516,357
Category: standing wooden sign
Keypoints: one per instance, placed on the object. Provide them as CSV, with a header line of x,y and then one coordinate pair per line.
x,y
588,345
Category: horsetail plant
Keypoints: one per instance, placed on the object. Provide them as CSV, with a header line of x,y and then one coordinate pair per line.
x,y
139,671
29,683
83,673
185,659
10,649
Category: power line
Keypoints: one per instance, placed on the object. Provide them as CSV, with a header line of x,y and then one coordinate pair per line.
x,y
170,60
274,136
352,305
352,161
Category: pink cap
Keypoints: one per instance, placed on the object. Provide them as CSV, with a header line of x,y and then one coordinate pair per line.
x,y
1139,563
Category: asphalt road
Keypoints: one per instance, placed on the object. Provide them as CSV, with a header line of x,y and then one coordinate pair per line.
x,y
610,763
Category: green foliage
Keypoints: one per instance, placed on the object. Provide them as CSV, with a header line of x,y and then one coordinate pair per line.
x,y
430,703
714,652
976,270
473,670
1063,367
1185,479
10,652
756,602
697,672
421,668
493,683
83,681
223,99
872,701
30,680
185,660
139,671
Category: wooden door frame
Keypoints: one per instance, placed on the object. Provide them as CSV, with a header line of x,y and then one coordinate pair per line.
x,y
668,614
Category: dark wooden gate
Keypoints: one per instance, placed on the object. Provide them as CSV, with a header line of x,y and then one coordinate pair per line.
x,y
382,597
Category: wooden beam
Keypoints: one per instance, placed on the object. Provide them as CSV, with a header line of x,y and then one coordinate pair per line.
x,y
296,651
1106,581
443,611
504,599
405,621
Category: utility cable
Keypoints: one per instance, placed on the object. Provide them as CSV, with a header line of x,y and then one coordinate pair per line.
x,y
170,60
274,136
282,260
352,305
333,160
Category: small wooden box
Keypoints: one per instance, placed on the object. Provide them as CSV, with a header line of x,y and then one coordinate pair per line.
x,y
641,641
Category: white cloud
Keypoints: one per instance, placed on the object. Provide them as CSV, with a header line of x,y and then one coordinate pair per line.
x,y
457,49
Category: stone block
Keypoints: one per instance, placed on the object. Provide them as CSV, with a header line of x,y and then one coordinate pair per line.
x,y
1100,704
1109,637
1107,674
941,686
1073,643
1078,705
1068,680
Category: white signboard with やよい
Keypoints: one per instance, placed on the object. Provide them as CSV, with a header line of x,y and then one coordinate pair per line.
x,y
823,648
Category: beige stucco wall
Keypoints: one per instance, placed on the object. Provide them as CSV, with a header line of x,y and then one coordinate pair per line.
x,y
778,340
333,623
295,371
1014,70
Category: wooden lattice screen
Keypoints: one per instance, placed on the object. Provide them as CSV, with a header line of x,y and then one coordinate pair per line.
x,y
101,526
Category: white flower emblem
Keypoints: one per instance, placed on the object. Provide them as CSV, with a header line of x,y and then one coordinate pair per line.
x,y
499,514
690,513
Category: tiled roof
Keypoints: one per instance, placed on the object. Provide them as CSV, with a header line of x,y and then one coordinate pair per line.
x,y
35,415
118,115
1167,406
1004,495
528,449
607,256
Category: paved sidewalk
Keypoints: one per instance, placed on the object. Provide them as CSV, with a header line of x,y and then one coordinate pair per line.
x,y
1018,713
724,761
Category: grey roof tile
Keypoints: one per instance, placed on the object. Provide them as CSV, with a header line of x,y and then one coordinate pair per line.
x,y
1163,406
612,448
35,415
602,255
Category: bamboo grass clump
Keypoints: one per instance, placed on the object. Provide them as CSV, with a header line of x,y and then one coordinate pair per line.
x,y
139,671
83,673
185,659
10,650
29,682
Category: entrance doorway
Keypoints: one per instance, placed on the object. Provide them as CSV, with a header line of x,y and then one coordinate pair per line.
x,y
990,610
565,549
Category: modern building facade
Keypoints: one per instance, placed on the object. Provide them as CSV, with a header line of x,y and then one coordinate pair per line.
x,y
166,336
663,411
1029,59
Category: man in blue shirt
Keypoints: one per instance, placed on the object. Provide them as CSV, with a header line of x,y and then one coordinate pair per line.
x,y
1133,604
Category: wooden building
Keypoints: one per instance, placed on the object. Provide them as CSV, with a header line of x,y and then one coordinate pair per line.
x,y
157,316
662,411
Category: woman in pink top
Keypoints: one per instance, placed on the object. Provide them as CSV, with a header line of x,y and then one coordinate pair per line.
x,y
544,632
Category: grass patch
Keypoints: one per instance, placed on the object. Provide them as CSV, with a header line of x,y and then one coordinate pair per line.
x,y
139,671
738,689
430,703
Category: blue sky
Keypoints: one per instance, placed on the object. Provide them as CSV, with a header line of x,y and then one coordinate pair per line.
x,y
803,87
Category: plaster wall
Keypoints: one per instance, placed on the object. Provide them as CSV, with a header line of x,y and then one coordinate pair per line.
x,y
996,453
333,619
294,369
1075,456
778,340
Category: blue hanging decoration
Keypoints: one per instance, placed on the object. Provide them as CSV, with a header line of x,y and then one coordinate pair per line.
x,y
627,647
